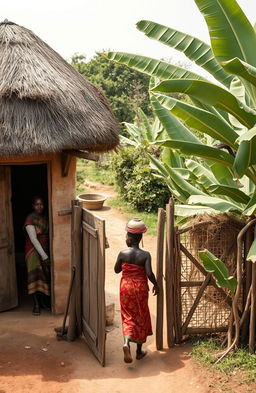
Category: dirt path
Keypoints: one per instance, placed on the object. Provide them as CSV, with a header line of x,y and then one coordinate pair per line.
x,y
61,367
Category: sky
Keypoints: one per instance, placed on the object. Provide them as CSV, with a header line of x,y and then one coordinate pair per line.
x,y
85,27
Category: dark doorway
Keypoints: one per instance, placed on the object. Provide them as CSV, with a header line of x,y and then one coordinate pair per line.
x,y
27,181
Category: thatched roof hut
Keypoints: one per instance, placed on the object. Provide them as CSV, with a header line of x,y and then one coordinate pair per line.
x,y
48,111
46,105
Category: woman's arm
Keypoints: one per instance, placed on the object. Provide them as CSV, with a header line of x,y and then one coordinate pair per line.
x,y
31,231
118,264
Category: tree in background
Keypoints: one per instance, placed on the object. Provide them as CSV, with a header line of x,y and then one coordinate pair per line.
x,y
126,89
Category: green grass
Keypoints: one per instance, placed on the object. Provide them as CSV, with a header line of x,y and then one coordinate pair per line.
x,y
150,219
88,170
239,362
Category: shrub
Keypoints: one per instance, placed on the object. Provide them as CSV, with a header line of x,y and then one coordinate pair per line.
x,y
136,182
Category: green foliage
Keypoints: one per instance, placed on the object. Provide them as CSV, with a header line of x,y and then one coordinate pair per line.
x,y
239,362
125,89
136,182
219,270
95,171
225,117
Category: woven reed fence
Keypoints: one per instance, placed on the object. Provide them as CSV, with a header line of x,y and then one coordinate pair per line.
x,y
194,303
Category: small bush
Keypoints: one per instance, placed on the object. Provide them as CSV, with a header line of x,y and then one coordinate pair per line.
x,y
136,182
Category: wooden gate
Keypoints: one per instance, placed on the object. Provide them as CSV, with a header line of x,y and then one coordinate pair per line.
x,y
8,284
87,313
194,302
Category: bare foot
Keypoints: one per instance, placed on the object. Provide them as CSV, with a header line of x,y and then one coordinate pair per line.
x,y
140,355
127,354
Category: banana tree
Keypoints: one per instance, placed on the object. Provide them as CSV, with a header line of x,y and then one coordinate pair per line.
x,y
143,132
225,114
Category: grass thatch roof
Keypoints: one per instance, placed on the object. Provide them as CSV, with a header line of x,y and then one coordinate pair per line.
x,y
46,105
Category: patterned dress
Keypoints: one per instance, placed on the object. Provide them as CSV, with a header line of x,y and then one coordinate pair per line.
x,y
37,281
135,314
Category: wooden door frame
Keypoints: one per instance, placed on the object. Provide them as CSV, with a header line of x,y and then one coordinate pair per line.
x,y
48,163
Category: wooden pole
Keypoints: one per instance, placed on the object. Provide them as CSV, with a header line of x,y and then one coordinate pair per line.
x,y
159,278
247,282
253,311
74,327
169,267
77,255
178,307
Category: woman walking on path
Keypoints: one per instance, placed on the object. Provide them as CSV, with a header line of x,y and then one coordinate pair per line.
x,y
36,255
135,265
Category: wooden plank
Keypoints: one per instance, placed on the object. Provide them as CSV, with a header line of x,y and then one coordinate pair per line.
x,y
196,302
93,320
100,224
206,330
94,276
159,278
77,256
65,164
169,267
82,154
179,303
226,297
66,212
189,284
8,283
85,277
90,229
89,331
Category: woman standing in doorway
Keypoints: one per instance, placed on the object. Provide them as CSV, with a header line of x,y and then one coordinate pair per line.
x,y
36,255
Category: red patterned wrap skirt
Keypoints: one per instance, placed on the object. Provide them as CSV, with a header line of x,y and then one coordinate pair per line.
x,y
135,314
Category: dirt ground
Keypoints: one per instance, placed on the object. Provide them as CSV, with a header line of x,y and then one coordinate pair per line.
x,y
32,360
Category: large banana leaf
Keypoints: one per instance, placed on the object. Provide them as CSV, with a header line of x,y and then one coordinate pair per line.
x,y
231,192
237,88
147,125
241,68
204,176
245,71
200,120
127,141
178,192
250,209
246,153
153,67
212,95
191,210
194,149
174,128
185,185
172,158
218,204
244,156
223,174
231,33
219,270
195,49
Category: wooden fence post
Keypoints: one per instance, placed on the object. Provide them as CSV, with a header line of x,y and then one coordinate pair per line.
x,y
74,328
169,272
178,306
159,278
253,311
